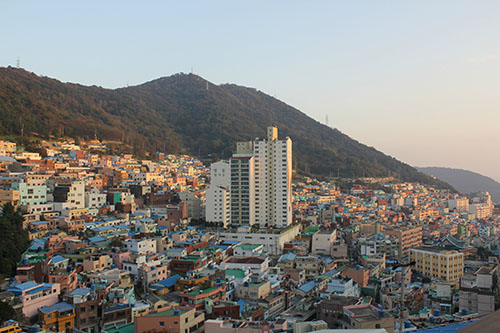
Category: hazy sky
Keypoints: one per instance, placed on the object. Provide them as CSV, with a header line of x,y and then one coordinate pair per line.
x,y
418,80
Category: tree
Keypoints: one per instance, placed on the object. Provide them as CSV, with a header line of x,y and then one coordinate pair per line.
x,y
14,242
116,242
6,312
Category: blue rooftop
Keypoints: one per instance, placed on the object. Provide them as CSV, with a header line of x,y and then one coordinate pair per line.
x,y
39,222
117,307
57,259
222,247
136,214
447,328
41,288
170,281
80,292
308,286
97,239
289,256
103,228
19,288
59,307
37,243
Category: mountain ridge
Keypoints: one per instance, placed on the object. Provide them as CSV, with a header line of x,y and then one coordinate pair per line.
x,y
465,181
185,113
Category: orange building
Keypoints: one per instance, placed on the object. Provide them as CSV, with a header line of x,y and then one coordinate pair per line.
x,y
408,236
191,281
196,298
57,318
170,319
359,274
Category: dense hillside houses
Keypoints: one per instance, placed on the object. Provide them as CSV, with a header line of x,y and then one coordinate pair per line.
x,y
170,244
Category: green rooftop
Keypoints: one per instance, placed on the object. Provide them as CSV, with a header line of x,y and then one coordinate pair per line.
x,y
237,273
128,328
189,258
167,313
312,229
249,247
197,291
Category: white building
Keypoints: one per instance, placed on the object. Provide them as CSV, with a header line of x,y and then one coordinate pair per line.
x,y
273,180
140,246
322,241
480,210
341,287
73,194
94,198
458,204
248,250
261,179
76,195
272,242
482,206
256,265
218,200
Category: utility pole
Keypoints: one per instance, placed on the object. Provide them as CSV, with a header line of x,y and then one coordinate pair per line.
x,y
402,300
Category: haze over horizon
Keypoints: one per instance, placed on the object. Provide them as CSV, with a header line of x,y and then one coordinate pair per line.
x,y
425,93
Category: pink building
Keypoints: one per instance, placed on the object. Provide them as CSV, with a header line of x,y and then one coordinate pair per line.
x,y
119,257
34,295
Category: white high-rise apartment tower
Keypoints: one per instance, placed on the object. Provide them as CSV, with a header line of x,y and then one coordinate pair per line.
x,y
218,194
273,179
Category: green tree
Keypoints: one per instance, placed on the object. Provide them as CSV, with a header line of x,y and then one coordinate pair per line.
x,y
14,239
116,242
6,312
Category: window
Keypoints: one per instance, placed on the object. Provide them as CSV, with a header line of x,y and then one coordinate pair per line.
x,y
162,323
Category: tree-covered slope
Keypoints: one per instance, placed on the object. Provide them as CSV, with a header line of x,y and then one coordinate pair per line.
x,y
465,181
185,113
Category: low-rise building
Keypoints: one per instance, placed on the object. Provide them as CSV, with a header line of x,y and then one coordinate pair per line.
x,y
59,317
253,290
35,295
366,316
170,319
322,241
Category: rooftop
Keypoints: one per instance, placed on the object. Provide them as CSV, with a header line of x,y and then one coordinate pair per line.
x,y
58,307
168,312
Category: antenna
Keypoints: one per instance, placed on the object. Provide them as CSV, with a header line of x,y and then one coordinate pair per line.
x,y
18,62
326,120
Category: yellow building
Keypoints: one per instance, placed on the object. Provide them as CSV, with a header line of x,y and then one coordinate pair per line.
x,y
9,195
438,263
254,291
59,317
77,212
